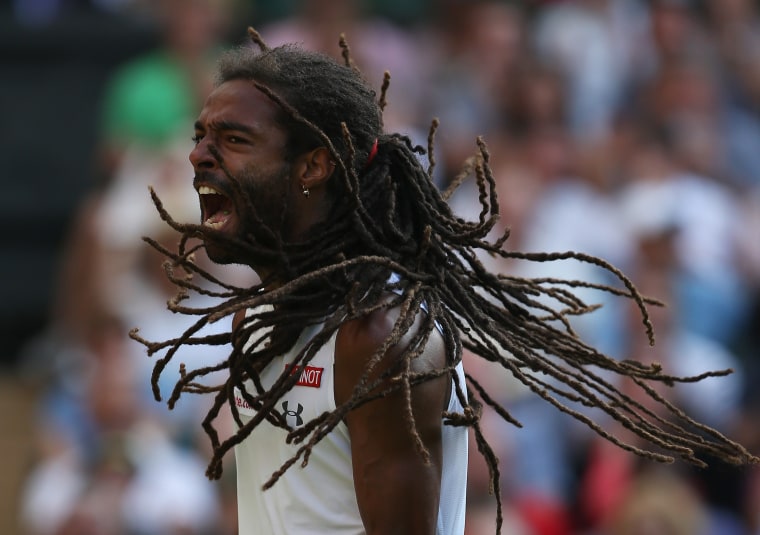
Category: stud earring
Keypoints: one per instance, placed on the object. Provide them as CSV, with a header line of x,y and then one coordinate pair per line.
x,y
305,191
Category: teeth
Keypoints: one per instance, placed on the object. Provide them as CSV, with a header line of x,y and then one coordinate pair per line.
x,y
214,225
206,190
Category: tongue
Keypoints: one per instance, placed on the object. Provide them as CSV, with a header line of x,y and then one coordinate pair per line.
x,y
218,206
218,217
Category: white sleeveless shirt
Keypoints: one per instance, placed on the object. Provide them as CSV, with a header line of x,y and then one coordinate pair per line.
x,y
320,498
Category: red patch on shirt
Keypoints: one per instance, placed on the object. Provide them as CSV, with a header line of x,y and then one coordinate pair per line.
x,y
309,375
241,403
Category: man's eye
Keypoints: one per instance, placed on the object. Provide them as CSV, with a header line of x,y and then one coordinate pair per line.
x,y
234,139
196,138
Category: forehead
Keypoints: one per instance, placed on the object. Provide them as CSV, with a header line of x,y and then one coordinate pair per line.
x,y
240,101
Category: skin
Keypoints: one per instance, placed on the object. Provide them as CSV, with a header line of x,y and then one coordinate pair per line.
x,y
397,492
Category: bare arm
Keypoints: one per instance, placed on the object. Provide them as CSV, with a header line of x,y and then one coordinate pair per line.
x,y
396,490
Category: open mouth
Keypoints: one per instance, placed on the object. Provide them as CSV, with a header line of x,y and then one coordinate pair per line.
x,y
216,208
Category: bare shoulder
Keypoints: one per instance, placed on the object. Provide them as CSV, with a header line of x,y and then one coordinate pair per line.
x,y
365,335
397,488
359,340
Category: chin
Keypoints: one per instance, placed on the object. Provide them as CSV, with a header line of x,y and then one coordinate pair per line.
x,y
220,254
229,251
218,248
225,255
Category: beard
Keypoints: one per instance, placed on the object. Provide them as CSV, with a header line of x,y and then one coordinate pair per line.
x,y
258,220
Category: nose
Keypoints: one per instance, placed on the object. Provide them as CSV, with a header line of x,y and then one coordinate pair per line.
x,y
201,157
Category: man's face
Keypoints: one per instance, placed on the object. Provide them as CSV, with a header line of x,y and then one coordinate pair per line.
x,y
238,124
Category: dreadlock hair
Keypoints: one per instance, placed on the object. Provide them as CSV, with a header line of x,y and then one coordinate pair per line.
x,y
389,217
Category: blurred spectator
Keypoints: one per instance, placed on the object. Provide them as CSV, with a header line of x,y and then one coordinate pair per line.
x,y
711,293
103,460
44,12
151,101
599,46
377,45
479,46
659,503
148,110
533,98
676,33
679,349
577,191
611,475
711,135
735,30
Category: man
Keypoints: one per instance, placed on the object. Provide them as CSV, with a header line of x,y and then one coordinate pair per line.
x,y
241,129
347,356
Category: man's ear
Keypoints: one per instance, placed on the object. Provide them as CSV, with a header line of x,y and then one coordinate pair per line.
x,y
314,167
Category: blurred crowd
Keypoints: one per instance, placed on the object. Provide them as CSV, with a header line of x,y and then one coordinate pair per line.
x,y
624,129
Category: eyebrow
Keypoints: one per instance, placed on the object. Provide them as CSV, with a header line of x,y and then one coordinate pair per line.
x,y
225,125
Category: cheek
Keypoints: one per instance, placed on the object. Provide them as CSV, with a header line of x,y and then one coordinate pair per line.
x,y
270,197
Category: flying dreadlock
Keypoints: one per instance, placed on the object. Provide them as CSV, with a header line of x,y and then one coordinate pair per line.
x,y
392,219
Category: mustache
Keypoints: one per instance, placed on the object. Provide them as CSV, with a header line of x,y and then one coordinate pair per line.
x,y
226,184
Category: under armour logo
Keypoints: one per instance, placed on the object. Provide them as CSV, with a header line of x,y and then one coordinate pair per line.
x,y
293,414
